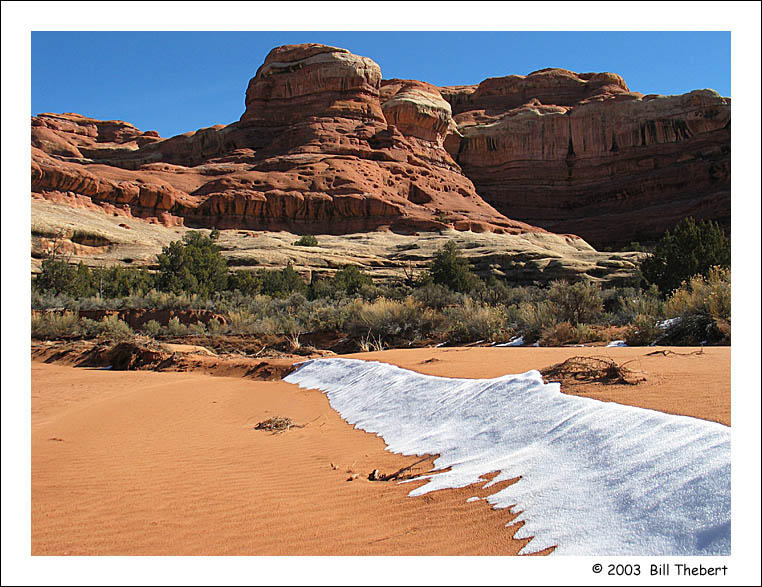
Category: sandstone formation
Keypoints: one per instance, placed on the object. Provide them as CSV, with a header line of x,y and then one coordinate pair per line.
x,y
581,153
326,146
530,257
316,150
417,109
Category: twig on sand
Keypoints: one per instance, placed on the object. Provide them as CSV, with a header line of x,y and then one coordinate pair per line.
x,y
667,352
394,536
376,476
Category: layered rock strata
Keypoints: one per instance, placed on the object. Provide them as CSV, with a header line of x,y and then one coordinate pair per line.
x,y
99,239
325,145
581,153
316,150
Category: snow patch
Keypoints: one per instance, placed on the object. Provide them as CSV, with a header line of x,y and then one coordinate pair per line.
x,y
668,323
597,478
517,341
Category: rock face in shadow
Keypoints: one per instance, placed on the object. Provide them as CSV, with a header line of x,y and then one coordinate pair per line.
x,y
581,153
314,151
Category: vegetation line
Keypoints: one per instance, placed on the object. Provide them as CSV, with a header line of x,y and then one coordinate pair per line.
x,y
683,299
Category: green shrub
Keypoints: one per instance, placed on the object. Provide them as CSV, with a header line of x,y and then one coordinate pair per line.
x,y
151,328
42,300
196,329
436,296
113,328
701,310
193,265
323,288
629,303
347,281
52,325
579,302
245,282
241,321
691,248
281,282
117,281
474,321
308,240
533,317
567,333
493,292
643,331
449,268
326,315
351,280
89,328
160,300
214,327
393,320
522,294
175,327
59,277
98,303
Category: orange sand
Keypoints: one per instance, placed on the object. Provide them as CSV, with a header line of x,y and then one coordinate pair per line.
x,y
153,463
680,382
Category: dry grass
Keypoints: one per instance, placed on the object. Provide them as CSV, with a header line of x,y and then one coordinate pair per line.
x,y
702,295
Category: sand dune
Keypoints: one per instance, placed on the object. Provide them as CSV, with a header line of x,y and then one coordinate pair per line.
x,y
168,463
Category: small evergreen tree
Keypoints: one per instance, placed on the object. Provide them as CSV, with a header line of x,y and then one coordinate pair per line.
x,y
59,277
350,279
193,265
691,248
246,282
282,283
117,281
308,240
449,268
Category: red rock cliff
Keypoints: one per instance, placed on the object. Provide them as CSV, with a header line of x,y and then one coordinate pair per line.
x,y
326,145
581,153
314,151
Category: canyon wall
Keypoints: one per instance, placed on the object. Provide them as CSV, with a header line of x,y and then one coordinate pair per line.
x,y
325,145
581,153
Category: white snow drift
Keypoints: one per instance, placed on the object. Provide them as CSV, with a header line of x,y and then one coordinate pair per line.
x,y
596,478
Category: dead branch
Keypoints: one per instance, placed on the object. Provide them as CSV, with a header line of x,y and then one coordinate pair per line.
x,y
591,370
396,474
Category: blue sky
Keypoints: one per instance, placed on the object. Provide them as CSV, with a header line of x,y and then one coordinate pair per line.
x,y
174,82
